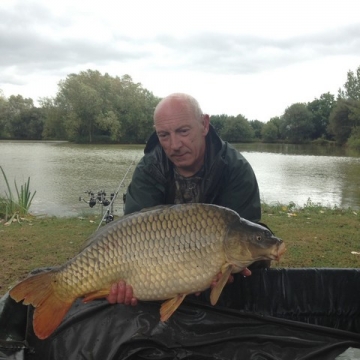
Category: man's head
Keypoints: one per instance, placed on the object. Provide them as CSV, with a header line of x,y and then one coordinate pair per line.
x,y
182,127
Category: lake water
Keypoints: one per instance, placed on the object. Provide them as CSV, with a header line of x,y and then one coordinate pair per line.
x,y
61,173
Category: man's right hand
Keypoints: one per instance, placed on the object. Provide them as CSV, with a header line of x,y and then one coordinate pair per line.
x,y
121,293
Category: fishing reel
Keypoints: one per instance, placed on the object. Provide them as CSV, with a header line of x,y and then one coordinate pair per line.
x,y
99,198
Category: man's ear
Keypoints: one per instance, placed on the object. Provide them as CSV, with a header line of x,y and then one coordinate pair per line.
x,y
206,123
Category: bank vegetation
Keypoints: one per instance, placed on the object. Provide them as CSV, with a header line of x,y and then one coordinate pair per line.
x,y
91,107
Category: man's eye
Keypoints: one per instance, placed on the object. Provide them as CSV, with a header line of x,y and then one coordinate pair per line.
x,y
162,136
184,131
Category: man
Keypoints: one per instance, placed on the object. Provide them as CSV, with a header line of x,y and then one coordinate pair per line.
x,y
186,161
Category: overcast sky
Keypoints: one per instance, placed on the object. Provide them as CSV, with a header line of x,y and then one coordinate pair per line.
x,y
249,57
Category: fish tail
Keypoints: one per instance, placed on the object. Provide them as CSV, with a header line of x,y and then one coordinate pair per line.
x,y
38,291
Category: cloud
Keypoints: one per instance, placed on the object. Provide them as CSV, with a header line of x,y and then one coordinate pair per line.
x,y
246,54
253,50
32,38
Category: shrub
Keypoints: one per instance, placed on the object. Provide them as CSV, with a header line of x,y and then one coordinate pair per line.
x,y
20,206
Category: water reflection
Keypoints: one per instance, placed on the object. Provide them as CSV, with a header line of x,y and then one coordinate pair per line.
x,y
297,178
61,172
297,149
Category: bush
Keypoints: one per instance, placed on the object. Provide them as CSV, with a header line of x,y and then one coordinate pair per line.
x,y
354,139
24,199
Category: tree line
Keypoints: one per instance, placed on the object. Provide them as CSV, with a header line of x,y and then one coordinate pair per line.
x,y
91,107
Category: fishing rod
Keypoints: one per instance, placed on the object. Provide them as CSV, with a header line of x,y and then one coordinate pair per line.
x,y
108,214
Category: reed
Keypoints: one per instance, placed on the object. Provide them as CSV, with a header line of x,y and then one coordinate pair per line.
x,y
21,205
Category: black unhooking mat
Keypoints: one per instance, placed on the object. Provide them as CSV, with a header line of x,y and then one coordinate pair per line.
x,y
287,314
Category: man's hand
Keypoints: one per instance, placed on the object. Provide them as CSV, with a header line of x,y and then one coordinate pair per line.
x,y
245,272
122,293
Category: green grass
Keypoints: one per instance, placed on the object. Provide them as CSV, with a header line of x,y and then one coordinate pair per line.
x,y
9,205
315,236
39,242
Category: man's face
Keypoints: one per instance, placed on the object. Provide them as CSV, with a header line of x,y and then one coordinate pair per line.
x,y
182,136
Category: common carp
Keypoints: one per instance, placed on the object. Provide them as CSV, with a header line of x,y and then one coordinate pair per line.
x,y
165,253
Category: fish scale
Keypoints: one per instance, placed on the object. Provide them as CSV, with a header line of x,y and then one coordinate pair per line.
x,y
183,251
164,253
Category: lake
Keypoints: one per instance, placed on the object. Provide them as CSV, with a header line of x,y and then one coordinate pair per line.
x,y
63,174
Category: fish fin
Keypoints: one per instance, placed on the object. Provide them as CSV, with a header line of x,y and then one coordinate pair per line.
x,y
38,291
98,294
217,289
169,306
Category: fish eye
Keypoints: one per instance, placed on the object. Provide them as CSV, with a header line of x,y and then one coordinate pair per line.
x,y
258,238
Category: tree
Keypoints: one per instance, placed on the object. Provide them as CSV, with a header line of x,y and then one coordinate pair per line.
x,y
297,123
344,118
23,120
237,129
352,86
94,106
270,132
137,106
3,110
80,97
321,109
33,122
218,121
354,139
110,124
54,120
257,126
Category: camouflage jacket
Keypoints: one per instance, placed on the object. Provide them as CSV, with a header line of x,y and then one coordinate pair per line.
x,y
228,179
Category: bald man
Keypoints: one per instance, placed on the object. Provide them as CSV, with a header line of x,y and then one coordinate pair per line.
x,y
185,161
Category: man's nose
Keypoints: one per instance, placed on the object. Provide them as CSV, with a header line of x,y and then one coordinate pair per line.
x,y
175,142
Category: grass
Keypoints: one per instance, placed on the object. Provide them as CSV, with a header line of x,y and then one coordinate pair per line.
x,y
39,242
9,206
315,236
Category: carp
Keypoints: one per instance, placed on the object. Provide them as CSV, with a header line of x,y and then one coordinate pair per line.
x,y
165,253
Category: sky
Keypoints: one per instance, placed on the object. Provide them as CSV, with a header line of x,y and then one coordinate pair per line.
x,y
248,57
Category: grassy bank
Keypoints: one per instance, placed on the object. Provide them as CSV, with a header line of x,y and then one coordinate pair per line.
x,y
315,236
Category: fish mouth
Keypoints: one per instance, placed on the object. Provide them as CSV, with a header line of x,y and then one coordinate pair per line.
x,y
277,252
280,251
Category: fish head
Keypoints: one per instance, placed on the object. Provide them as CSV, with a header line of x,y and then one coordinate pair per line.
x,y
247,242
